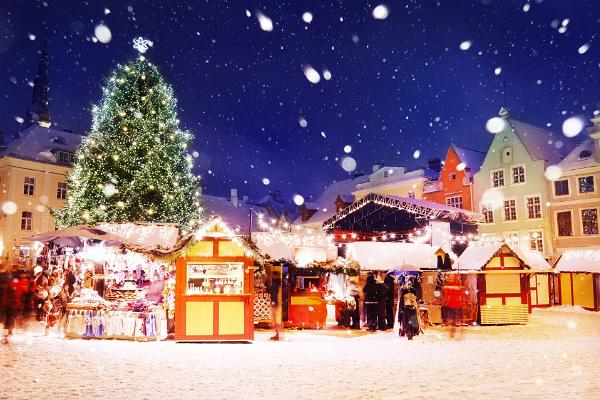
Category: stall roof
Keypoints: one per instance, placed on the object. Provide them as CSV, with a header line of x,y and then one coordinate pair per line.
x,y
376,212
477,255
579,261
383,256
82,231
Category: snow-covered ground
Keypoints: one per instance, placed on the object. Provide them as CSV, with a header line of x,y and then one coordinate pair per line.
x,y
557,355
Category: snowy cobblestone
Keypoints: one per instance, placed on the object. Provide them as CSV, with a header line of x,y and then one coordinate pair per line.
x,y
555,356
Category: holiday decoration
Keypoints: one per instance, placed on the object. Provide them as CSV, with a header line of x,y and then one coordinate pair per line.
x,y
133,167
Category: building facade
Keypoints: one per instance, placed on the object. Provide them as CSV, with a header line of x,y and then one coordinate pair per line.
x,y
454,186
395,181
575,197
510,188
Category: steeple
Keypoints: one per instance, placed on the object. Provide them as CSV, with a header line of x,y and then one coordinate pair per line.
x,y
38,112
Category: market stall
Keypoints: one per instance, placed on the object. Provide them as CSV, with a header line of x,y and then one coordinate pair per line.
x,y
214,290
579,283
502,273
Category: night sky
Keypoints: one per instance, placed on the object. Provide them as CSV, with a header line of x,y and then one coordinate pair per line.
x,y
397,85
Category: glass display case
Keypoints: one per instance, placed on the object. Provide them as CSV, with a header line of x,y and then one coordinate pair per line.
x,y
223,278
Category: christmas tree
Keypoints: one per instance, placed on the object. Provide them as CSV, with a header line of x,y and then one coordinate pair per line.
x,y
133,167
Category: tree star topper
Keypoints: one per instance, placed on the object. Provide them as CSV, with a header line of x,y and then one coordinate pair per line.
x,y
141,44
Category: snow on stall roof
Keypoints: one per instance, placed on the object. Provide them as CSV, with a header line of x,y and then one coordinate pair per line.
x,y
40,144
145,236
472,159
325,203
573,160
540,143
579,261
478,254
382,256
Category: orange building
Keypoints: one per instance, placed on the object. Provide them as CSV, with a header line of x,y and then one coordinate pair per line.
x,y
455,182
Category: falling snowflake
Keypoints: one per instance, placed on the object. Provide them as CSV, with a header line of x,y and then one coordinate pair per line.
x,y
311,74
466,45
265,22
381,12
307,17
102,33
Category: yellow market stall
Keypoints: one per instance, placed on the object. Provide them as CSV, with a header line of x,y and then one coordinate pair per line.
x,y
503,280
579,283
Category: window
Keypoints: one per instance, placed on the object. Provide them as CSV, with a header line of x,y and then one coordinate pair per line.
x,y
586,184
452,176
65,157
510,210
507,155
488,213
585,154
561,188
564,223
589,220
518,174
536,241
512,239
498,178
534,207
61,190
26,220
454,201
29,186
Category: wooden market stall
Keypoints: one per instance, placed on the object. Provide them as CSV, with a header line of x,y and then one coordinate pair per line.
x,y
215,290
579,283
503,280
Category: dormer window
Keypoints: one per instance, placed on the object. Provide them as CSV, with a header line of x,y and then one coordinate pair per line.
x,y
452,176
507,155
65,157
585,154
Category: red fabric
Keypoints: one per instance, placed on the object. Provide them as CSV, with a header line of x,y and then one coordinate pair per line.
x,y
13,296
453,296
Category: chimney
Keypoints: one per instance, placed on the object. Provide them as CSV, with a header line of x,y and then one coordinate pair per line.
x,y
435,164
594,133
234,197
377,167
245,199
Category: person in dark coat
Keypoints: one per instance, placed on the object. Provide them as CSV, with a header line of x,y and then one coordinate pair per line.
x,y
370,301
354,292
389,301
407,312
13,305
381,305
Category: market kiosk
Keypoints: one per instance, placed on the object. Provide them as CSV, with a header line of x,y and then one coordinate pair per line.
x,y
215,290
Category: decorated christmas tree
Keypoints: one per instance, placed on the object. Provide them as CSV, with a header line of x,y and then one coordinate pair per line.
x,y
133,167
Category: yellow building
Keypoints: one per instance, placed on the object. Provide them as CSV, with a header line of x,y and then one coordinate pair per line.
x,y
33,171
393,181
575,197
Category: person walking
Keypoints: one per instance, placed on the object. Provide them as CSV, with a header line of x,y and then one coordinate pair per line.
x,y
408,318
389,283
354,292
370,301
276,311
13,306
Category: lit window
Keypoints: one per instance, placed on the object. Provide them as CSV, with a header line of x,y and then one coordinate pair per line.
x,y
536,241
510,210
498,178
586,184
512,239
455,201
29,186
561,188
488,213
534,207
26,220
518,174
589,220
564,223
61,190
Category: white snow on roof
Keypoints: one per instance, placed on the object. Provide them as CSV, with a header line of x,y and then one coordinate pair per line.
x,y
325,204
383,256
540,143
574,161
476,256
40,144
145,236
472,159
579,261
238,218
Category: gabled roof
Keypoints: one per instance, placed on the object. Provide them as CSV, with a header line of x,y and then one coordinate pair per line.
x,y
574,161
472,159
579,261
478,255
540,143
40,144
325,203
238,218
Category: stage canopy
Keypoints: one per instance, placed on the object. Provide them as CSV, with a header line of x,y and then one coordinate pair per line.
x,y
390,213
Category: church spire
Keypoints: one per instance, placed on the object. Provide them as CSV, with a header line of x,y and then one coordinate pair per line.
x,y
38,112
